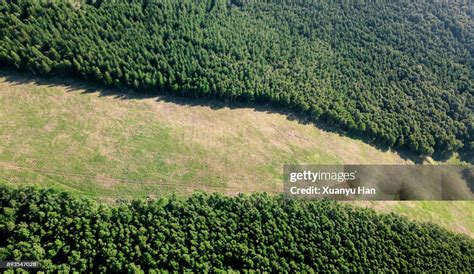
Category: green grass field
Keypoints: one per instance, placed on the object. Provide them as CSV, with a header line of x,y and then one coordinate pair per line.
x,y
110,147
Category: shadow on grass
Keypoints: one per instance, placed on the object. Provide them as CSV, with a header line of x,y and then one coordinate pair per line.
x,y
17,78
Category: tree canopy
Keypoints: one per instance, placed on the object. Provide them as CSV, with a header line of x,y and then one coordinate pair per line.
x,y
212,232
398,73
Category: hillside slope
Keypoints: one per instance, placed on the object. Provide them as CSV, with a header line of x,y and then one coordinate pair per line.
x,y
118,140
108,145
397,73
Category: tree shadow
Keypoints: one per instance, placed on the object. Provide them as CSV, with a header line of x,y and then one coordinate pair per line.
x,y
73,85
467,156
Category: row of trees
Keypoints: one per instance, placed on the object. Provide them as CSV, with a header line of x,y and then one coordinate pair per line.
x,y
400,74
206,232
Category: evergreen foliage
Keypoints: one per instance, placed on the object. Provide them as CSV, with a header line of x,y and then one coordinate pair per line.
x,y
399,73
214,232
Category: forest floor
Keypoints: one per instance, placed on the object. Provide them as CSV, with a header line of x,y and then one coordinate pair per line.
x,y
108,145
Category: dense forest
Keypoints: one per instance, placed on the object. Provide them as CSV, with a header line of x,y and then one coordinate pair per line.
x,y
398,73
210,232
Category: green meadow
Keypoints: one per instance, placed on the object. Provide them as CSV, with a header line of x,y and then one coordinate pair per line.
x,y
109,146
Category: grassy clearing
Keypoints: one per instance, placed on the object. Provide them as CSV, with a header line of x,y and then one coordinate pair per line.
x,y
109,147
104,145
454,215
